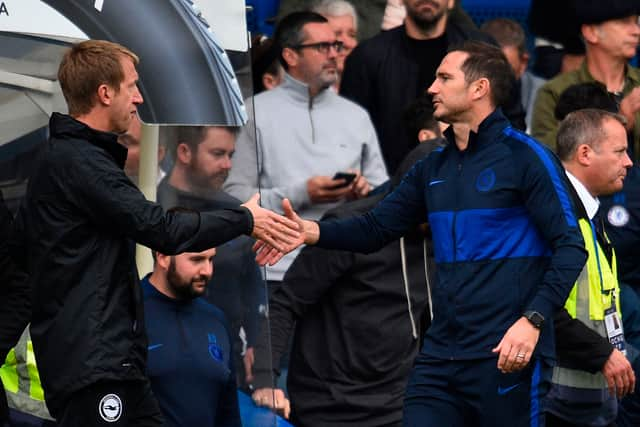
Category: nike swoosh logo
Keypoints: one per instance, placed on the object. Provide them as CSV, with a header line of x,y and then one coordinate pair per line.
x,y
437,181
154,346
505,390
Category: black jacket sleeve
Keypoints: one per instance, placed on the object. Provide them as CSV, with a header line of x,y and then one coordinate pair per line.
x,y
111,200
15,296
578,346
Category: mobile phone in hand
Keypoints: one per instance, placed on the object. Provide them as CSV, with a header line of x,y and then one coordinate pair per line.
x,y
347,176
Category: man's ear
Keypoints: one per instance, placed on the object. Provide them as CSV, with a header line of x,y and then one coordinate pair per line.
x,y
583,154
183,153
290,56
163,261
590,33
480,88
105,94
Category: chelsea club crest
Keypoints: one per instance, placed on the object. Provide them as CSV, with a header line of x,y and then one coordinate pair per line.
x,y
214,350
618,216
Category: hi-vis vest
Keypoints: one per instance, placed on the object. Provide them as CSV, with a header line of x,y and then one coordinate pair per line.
x,y
592,294
21,379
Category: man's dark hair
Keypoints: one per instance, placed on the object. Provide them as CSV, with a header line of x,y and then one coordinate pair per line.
x,y
488,61
290,33
584,95
583,127
418,116
190,135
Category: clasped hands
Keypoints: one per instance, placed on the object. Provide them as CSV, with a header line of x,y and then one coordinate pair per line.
x,y
276,234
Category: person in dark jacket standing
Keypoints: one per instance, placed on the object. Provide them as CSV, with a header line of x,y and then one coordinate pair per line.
x,y
15,306
389,71
506,245
75,235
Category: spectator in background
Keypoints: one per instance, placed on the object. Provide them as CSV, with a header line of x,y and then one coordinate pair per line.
x,y
558,48
131,140
343,19
513,42
305,132
369,13
190,357
395,13
611,34
419,121
202,161
266,70
389,71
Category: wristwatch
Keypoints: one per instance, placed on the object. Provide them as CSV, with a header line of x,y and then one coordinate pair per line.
x,y
535,318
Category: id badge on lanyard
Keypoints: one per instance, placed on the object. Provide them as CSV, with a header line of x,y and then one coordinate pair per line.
x,y
615,330
612,322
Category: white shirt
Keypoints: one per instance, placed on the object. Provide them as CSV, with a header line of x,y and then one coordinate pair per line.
x,y
590,203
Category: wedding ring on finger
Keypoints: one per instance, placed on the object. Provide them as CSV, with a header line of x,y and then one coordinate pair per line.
x,y
520,356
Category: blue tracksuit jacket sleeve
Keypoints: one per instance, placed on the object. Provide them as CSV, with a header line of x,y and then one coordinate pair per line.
x,y
551,209
400,211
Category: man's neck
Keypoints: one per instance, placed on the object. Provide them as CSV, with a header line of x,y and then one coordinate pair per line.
x,y
159,281
471,123
606,69
177,179
94,121
418,33
579,182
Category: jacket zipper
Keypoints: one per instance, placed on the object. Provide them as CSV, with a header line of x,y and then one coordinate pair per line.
x,y
313,132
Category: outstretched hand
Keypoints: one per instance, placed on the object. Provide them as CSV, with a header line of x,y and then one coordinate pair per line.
x,y
267,254
276,230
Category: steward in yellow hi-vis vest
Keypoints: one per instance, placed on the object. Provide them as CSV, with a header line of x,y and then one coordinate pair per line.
x,y
591,322
21,380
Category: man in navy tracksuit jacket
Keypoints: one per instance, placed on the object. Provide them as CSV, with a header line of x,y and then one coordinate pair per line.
x,y
190,359
506,245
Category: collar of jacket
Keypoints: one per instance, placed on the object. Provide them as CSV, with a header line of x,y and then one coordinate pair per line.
x,y
632,76
489,128
150,291
299,91
64,126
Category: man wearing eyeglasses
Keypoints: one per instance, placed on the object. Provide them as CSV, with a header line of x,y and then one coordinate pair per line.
x,y
305,133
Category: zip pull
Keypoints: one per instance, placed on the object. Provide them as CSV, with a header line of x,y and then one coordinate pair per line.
x,y
405,277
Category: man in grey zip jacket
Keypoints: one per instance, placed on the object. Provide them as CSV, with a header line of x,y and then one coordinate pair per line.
x,y
305,133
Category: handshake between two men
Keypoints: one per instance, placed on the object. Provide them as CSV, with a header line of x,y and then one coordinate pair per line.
x,y
278,235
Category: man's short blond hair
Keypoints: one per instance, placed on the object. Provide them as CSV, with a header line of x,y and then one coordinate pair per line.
x,y
86,66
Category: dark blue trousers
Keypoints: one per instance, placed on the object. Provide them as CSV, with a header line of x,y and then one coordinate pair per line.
x,y
474,393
